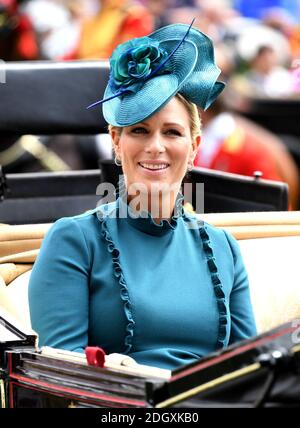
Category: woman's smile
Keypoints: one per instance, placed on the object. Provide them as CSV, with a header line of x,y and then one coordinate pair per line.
x,y
154,168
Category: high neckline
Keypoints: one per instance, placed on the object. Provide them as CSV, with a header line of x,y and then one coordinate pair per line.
x,y
144,221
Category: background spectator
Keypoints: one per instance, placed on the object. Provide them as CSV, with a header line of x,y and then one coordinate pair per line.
x,y
57,28
116,22
17,37
266,77
234,144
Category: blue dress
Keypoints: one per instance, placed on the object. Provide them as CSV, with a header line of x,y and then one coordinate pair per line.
x,y
165,294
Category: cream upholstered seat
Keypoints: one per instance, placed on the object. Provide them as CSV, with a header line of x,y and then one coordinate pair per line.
x,y
19,246
274,277
269,243
14,298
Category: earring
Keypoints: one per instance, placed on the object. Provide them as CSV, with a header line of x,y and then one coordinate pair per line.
x,y
117,161
190,166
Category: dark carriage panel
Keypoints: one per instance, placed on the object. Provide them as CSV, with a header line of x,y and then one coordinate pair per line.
x,y
225,192
280,116
51,97
45,197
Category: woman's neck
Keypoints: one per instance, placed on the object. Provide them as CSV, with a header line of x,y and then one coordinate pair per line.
x,y
160,205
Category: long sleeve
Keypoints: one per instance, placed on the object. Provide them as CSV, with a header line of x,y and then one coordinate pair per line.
x,y
242,318
59,288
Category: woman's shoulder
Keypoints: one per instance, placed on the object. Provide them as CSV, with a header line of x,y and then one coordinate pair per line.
x,y
218,233
86,222
223,239
195,221
217,236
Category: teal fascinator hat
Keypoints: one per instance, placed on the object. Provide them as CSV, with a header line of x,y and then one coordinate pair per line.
x,y
146,72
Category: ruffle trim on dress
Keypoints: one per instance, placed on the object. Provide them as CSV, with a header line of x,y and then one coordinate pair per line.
x,y
164,224
119,275
218,288
143,220
177,213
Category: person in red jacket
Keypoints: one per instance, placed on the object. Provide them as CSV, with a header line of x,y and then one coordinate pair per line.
x,y
234,144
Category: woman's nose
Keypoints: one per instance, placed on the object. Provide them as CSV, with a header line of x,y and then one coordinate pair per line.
x,y
155,144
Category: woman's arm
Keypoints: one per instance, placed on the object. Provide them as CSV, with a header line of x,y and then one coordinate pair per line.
x,y
59,288
242,318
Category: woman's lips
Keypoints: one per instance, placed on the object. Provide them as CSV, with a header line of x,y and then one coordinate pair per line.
x,y
154,168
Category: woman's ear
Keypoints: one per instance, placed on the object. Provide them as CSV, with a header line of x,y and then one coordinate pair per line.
x,y
115,136
195,148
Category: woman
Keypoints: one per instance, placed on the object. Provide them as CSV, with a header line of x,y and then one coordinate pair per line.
x,y
139,276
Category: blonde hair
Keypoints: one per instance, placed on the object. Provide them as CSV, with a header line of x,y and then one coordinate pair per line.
x,y
195,121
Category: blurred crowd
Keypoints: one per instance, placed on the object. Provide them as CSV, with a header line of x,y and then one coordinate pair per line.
x,y
257,42
257,46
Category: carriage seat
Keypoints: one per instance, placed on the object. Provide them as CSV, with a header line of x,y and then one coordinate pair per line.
x,y
269,243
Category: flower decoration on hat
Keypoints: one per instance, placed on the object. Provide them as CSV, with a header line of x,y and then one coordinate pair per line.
x,y
133,62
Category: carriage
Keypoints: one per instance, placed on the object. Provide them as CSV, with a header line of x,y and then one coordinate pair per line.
x,y
262,371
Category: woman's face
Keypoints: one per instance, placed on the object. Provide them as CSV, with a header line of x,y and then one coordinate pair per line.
x,y
158,150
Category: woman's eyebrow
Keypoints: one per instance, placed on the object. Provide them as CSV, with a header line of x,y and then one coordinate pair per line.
x,y
174,124
164,124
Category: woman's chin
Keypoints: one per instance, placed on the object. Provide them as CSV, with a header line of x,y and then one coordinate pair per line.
x,y
153,188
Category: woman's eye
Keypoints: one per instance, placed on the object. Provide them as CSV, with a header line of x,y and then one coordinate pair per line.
x,y
139,130
174,132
